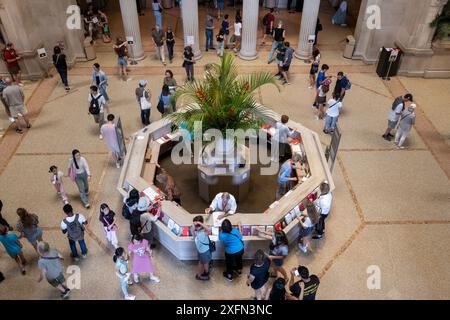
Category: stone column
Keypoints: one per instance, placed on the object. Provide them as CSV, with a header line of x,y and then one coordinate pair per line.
x,y
249,30
130,20
189,13
308,27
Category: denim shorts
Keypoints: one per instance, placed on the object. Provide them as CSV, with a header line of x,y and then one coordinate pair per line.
x,y
122,61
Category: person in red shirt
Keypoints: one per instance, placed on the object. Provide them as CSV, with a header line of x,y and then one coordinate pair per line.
x,y
269,24
12,63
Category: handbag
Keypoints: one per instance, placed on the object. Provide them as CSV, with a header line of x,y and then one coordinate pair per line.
x,y
211,244
114,226
72,173
145,104
160,106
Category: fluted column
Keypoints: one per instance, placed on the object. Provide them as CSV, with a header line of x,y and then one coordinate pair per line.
x,y
131,27
249,30
307,28
189,13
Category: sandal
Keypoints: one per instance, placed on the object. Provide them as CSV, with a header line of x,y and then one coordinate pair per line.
x,y
20,131
28,126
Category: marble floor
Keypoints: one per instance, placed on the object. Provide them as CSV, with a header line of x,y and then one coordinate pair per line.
x,y
391,210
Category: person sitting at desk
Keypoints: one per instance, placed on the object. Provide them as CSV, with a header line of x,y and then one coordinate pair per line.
x,y
169,186
285,177
223,202
283,137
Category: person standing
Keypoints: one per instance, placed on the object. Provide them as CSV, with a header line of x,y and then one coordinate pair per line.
x,y
323,206
226,30
13,247
12,63
141,256
100,80
306,287
269,24
79,172
342,85
157,9
286,178
287,62
59,61
278,292
332,114
165,99
97,106
15,99
52,269
170,42
188,63
122,271
109,133
122,58
282,138
170,81
158,41
234,249
209,32
28,227
278,37
290,7
278,250
3,85
237,34
322,75
3,221
108,219
314,67
73,225
406,122
143,97
149,216
307,221
56,179
340,17
395,113
259,275
201,238
220,38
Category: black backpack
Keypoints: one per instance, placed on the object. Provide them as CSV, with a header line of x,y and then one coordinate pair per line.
x,y
397,101
135,223
265,20
94,108
126,212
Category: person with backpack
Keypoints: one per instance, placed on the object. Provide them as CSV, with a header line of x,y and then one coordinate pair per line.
x,y
332,114
406,122
143,97
52,269
306,287
59,61
234,249
78,171
130,204
268,22
279,34
203,246
13,247
122,56
259,275
28,227
342,86
141,258
73,225
108,219
398,106
97,106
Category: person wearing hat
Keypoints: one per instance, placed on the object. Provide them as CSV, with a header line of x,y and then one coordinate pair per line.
x,y
407,120
397,109
143,97
147,218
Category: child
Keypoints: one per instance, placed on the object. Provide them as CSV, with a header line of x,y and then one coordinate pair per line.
x,y
220,42
56,179
107,218
121,265
13,247
141,254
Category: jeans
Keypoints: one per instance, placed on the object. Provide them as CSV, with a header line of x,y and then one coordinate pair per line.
x,y
63,74
320,226
209,39
170,49
220,48
233,261
158,18
190,71
272,50
330,123
73,247
145,117
83,186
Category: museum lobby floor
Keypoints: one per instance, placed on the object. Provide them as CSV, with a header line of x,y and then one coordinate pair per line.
x,y
391,208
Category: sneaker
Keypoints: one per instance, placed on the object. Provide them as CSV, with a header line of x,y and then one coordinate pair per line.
x,y
130,297
66,294
390,135
310,87
227,276
87,206
155,279
29,126
207,50
238,272
84,256
76,258
386,137
100,137
66,202
153,246
118,165
317,237
202,277
400,147
20,84
19,131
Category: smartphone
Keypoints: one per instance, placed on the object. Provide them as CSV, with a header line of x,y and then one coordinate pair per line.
x,y
296,273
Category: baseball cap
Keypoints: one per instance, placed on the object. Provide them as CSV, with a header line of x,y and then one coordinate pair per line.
x,y
143,83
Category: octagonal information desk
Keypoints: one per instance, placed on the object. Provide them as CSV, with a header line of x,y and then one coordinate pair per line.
x,y
173,228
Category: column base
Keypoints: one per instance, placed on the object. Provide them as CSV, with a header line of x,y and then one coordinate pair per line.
x,y
248,57
140,58
302,56
198,55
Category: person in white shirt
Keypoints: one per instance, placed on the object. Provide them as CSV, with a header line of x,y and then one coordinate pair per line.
x,y
97,99
394,114
73,226
237,35
323,206
56,179
334,106
80,174
282,136
223,202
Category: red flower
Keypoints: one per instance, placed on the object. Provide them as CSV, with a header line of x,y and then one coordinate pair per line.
x,y
201,95
246,87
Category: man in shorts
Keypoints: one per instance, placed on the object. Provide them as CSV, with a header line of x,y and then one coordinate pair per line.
x,y
52,269
12,63
287,62
15,99
269,18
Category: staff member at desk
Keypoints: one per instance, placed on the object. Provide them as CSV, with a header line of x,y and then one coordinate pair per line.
x,y
283,137
223,202
286,177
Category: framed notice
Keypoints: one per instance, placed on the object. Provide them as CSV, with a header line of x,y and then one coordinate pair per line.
x,y
130,41
311,38
42,53
189,40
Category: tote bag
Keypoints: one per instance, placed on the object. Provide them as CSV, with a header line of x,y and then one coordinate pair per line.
x,y
72,172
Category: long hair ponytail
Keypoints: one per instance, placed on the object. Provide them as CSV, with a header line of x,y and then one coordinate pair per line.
x,y
74,152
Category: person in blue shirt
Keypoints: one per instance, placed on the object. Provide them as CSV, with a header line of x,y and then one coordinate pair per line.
x,y
100,80
226,29
234,249
13,247
285,178
322,75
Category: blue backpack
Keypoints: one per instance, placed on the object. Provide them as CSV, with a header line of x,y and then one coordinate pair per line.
x,y
349,84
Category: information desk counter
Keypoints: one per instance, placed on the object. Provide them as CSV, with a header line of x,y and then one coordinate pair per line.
x,y
173,228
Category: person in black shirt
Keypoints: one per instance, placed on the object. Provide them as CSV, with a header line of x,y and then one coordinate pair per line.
x,y
306,287
3,222
59,61
170,42
278,292
278,37
341,84
259,275
188,63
